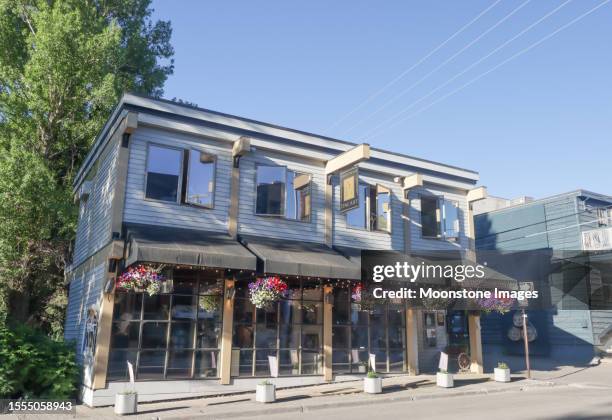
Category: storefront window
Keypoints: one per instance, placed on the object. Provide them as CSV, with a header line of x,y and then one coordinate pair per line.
x,y
291,330
361,329
169,336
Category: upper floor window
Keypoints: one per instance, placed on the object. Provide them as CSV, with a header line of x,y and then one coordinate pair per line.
x,y
178,175
164,171
374,210
201,179
439,217
604,216
282,192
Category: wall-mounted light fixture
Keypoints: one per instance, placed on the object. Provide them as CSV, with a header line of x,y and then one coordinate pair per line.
x,y
230,292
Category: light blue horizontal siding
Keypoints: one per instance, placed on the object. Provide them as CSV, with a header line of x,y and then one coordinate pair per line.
x,y
139,210
85,292
94,225
277,227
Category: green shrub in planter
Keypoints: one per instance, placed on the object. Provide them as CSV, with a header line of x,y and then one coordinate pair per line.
x,y
34,366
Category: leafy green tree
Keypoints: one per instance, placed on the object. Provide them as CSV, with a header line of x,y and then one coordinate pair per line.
x,y
63,66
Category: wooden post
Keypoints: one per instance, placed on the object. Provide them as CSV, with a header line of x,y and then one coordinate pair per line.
x,y
103,338
225,360
412,341
476,365
327,333
241,147
329,212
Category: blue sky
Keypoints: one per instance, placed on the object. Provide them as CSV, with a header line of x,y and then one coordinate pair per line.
x,y
538,125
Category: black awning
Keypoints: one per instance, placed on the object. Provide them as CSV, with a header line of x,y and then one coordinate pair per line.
x,y
167,245
302,259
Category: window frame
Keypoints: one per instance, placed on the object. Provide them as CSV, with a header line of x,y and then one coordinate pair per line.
x,y
169,321
284,215
440,217
188,174
181,172
443,229
390,212
371,209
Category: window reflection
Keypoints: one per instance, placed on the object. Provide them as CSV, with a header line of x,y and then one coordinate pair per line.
x,y
163,173
270,190
358,217
283,192
201,179
168,335
383,209
290,330
372,328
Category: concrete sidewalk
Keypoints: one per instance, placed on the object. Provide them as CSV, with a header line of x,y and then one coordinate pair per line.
x,y
349,394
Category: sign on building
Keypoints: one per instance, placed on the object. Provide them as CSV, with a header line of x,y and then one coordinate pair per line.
x,y
349,189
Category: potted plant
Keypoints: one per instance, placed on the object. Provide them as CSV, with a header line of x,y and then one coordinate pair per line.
x,y
372,383
266,392
444,379
502,372
295,369
126,402
362,367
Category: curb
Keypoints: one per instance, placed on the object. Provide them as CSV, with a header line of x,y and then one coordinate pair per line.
x,y
303,408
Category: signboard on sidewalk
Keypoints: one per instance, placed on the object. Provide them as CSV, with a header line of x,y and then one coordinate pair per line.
x,y
273,363
443,365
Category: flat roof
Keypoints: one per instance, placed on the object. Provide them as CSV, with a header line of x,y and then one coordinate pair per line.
x,y
168,107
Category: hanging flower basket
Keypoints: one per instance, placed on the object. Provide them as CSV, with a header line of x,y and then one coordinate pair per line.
x,y
141,278
356,292
363,297
494,304
266,290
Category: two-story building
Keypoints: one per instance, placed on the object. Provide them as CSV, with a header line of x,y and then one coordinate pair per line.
x,y
577,227
215,201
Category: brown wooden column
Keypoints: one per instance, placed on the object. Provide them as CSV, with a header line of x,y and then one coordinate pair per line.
x,y
225,359
327,332
412,341
476,365
241,147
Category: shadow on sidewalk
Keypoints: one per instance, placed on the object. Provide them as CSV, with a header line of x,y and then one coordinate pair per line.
x,y
465,382
157,410
403,387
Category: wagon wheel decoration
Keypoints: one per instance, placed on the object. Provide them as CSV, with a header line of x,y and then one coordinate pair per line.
x,y
463,360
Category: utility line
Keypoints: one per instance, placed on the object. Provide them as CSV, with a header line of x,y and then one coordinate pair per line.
x,y
472,81
468,68
444,63
408,70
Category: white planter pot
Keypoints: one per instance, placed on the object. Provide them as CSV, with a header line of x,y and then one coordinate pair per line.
x,y
126,403
502,375
265,393
372,385
444,380
361,369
